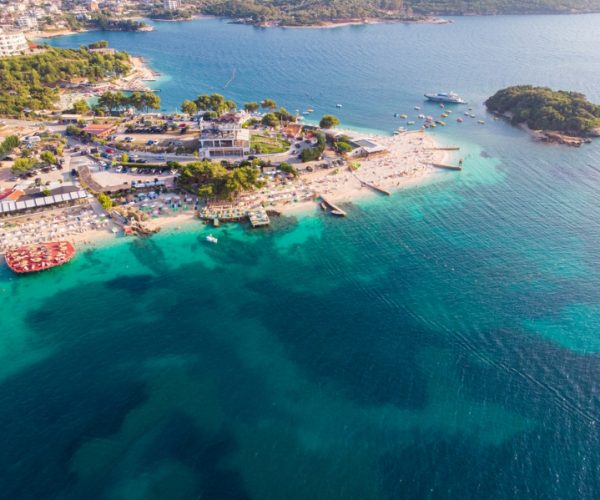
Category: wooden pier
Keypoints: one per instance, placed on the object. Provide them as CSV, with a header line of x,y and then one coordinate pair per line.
x,y
258,218
335,210
446,167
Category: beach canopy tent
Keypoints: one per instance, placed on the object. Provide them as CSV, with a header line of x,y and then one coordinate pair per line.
x,y
8,207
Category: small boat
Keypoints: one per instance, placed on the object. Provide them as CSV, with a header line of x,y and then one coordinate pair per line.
x,y
444,115
410,123
404,116
211,239
421,117
459,120
339,106
417,108
396,115
481,122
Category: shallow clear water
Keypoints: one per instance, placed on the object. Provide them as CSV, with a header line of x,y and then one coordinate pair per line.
x,y
441,343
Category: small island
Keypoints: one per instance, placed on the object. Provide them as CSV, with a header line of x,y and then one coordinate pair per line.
x,y
552,116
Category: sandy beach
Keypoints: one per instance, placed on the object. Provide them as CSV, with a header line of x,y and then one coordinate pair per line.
x,y
406,162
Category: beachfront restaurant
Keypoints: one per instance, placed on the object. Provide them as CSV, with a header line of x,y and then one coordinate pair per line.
x,y
27,204
365,148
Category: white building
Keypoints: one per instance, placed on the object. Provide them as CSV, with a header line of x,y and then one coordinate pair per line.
x,y
27,23
223,139
12,43
171,4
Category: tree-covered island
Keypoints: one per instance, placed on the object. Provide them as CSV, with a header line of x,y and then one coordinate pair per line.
x,y
558,115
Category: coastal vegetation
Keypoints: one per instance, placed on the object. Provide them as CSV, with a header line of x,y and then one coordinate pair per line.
x,y
31,83
105,201
329,121
288,168
117,102
263,144
8,145
214,103
490,7
302,12
541,108
314,153
213,180
314,12
189,107
161,14
104,21
23,165
81,107
342,144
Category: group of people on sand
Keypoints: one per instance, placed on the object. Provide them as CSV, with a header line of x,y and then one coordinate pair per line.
x,y
50,227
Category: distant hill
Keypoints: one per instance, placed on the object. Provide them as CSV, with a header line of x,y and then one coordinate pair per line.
x,y
303,12
487,7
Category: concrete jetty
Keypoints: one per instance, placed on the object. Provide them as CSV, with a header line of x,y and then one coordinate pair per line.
x,y
374,187
335,210
446,166
444,148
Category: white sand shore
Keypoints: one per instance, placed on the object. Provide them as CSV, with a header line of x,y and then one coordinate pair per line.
x,y
406,163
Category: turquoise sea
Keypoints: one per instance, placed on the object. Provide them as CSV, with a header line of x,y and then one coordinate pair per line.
x,y
440,343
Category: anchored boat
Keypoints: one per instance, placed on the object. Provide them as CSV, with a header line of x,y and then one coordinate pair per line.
x,y
445,98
